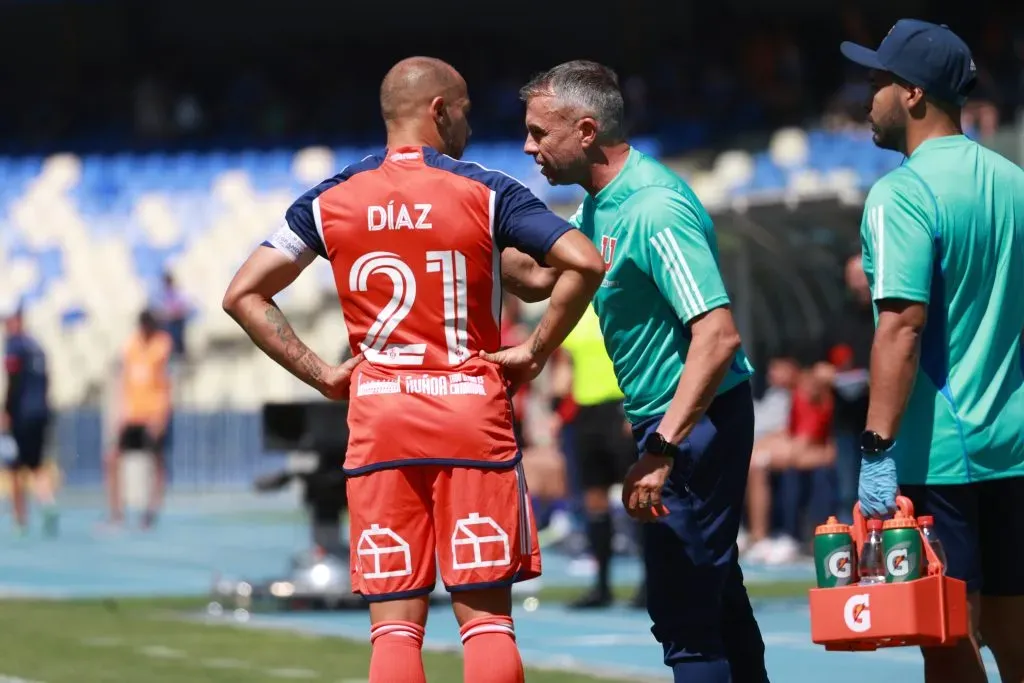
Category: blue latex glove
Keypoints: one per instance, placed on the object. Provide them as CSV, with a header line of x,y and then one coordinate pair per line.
x,y
878,486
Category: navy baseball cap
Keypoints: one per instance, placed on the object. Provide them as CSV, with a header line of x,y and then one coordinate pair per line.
x,y
927,55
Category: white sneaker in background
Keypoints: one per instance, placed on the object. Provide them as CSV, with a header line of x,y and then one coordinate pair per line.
x,y
743,541
759,551
784,550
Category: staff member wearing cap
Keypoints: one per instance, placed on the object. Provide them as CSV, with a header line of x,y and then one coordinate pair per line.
x,y
943,248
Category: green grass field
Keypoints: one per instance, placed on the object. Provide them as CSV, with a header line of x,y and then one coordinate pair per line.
x,y
147,640
143,640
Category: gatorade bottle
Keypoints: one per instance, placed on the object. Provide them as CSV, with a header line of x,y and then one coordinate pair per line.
x,y
927,524
872,559
903,552
834,555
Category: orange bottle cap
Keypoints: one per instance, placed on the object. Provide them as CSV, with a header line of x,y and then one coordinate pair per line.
x,y
832,526
874,525
900,523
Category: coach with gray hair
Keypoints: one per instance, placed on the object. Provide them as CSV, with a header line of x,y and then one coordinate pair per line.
x,y
665,317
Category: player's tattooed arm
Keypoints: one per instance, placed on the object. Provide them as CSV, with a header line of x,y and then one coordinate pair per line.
x,y
579,269
541,339
295,351
249,300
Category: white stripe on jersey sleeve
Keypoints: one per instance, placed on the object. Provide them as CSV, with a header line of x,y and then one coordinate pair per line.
x,y
292,246
878,259
682,293
673,245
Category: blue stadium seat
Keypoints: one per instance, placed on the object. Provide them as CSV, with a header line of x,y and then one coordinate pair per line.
x,y
111,184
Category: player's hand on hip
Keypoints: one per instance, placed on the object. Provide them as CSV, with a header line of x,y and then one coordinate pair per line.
x,y
878,488
337,380
519,364
641,491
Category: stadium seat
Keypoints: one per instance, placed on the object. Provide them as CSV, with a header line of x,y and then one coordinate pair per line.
x,y
789,148
733,169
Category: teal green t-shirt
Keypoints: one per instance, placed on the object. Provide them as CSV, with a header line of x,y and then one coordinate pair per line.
x,y
947,229
661,261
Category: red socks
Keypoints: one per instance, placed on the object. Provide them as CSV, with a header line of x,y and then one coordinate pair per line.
x,y
490,652
489,643
397,648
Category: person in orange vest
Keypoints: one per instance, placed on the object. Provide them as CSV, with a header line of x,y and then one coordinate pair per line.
x,y
144,413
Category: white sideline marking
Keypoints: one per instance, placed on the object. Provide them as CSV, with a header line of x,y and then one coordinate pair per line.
x,y
14,679
224,664
102,641
292,673
161,652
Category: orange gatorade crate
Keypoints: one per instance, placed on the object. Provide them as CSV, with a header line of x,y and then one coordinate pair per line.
x,y
931,610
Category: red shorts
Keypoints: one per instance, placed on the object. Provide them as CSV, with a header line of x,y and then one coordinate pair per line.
x,y
476,524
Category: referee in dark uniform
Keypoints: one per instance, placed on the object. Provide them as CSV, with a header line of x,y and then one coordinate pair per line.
x,y
26,417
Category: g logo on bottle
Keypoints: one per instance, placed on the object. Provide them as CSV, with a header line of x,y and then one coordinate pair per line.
x,y
857,613
839,564
897,560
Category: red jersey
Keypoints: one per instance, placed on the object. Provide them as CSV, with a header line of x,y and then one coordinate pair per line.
x,y
809,419
414,238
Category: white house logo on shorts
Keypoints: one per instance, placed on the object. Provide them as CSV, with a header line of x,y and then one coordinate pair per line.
x,y
383,554
897,560
479,542
839,563
857,613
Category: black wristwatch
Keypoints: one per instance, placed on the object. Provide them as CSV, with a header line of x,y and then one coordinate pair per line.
x,y
872,444
656,444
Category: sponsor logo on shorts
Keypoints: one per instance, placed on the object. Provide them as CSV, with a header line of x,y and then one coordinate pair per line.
x,y
898,561
440,385
373,387
479,542
839,563
383,554
857,613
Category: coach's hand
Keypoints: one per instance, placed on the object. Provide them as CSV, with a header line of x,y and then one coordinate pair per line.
x,y
878,487
519,363
641,491
338,379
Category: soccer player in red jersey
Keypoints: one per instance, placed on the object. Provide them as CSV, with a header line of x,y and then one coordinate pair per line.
x,y
420,244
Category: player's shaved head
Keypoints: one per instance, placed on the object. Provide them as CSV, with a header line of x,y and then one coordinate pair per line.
x,y
413,83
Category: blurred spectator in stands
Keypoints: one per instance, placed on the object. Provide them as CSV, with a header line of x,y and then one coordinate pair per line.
x,y
980,116
24,421
848,352
144,414
171,310
771,417
188,114
151,109
802,454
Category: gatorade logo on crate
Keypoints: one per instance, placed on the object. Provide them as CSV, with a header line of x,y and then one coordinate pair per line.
x,y
839,564
857,613
897,560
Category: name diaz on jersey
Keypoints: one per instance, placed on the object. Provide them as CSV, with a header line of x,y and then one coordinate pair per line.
x,y
380,217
